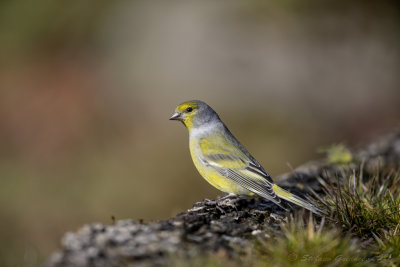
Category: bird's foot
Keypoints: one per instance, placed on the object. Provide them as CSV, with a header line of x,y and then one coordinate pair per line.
x,y
228,196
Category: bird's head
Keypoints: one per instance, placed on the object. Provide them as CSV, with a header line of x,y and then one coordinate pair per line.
x,y
194,113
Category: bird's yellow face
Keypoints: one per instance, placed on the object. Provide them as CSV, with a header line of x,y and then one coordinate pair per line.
x,y
185,112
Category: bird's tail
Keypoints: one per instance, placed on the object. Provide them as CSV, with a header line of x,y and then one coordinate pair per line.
x,y
286,195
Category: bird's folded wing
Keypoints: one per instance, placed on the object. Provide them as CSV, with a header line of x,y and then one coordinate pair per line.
x,y
231,162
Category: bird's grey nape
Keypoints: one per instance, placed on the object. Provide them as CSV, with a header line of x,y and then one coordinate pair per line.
x,y
205,115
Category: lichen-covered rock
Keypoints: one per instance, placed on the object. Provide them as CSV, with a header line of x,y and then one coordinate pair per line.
x,y
209,226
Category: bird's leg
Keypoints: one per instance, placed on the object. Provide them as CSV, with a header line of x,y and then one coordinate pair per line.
x,y
230,195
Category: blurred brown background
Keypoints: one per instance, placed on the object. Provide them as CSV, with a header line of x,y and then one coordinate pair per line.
x,y
87,87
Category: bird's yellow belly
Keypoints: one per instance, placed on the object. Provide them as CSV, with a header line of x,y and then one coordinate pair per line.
x,y
216,179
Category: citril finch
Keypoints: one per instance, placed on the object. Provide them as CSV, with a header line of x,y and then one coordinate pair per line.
x,y
223,161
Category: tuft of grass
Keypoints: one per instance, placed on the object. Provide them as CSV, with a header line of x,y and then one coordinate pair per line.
x,y
365,206
303,243
389,247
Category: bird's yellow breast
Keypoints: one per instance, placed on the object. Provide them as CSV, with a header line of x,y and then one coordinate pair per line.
x,y
211,175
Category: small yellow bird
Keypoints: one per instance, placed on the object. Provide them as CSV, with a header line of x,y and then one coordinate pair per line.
x,y
223,161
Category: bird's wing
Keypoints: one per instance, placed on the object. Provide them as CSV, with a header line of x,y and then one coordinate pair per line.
x,y
228,158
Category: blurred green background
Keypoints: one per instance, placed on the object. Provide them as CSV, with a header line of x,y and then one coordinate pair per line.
x,y
87,87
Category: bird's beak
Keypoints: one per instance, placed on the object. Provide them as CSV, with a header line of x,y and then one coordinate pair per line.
x,y
176,116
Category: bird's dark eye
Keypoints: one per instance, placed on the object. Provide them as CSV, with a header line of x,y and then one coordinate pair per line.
x,y
189,109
